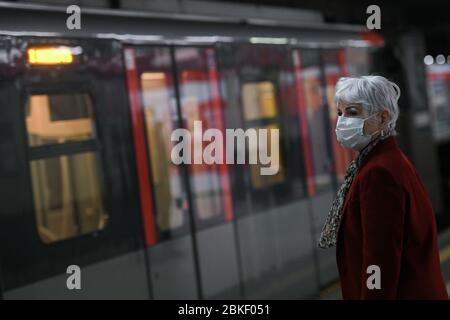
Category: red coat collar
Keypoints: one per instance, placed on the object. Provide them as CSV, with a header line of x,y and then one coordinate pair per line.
x,y
381,147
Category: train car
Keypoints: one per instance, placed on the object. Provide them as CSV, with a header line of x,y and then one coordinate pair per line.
x,y
86,177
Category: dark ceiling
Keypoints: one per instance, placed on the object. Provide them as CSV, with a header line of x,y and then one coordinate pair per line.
x,y
432,17
394,13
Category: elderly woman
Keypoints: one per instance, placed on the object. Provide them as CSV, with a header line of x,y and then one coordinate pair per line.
x,y
381,220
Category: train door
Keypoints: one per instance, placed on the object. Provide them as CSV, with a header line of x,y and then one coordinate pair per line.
x,y
69,221
190,236
273,217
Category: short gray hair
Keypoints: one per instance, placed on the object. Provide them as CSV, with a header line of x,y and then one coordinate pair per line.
x,y
375,93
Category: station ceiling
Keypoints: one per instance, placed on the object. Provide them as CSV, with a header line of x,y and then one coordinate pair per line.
x,y
432,17
394,13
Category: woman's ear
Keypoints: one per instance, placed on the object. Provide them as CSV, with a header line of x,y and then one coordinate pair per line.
x,y
384,118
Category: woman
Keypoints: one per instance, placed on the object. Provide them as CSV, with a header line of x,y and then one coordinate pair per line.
x,y
381,220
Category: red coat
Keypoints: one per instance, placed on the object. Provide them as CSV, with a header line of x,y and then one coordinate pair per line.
x,y
388,221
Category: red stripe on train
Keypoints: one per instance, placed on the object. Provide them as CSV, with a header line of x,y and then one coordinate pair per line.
x,y
145,192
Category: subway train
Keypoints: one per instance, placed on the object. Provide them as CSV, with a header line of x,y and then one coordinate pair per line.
x,y
86,177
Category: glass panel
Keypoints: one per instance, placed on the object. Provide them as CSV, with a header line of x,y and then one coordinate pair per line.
x,y
161,118
197,103
58,118
67,194
166,177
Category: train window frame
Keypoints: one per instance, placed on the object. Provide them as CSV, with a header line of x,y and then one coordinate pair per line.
x,y
294,186
71,148
185,229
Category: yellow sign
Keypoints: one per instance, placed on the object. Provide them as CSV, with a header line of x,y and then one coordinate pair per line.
x,y
50,55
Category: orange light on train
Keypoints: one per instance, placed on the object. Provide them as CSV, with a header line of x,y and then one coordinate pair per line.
x,y
50,56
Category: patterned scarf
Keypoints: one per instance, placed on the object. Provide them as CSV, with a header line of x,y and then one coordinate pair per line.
x,y
328,236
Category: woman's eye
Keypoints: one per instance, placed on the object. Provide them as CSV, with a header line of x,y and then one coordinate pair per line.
x,y
352,112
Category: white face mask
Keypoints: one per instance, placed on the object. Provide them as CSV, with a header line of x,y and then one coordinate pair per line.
x,y
349,132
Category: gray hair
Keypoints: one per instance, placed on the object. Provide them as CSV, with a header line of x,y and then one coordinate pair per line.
x,y
375,93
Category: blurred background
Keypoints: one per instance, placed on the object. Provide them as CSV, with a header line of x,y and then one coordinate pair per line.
x,y
88,102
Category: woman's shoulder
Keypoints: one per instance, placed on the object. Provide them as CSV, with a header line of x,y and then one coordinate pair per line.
x,y
390,166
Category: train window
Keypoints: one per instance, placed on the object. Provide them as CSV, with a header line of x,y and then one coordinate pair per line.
x,y
67,196
262,181
259,102
259,86
159,121
200,101
66,185
58,118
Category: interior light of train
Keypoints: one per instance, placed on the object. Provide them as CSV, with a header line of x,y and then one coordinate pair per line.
x,y
209,39
153,76
266,40
50,55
